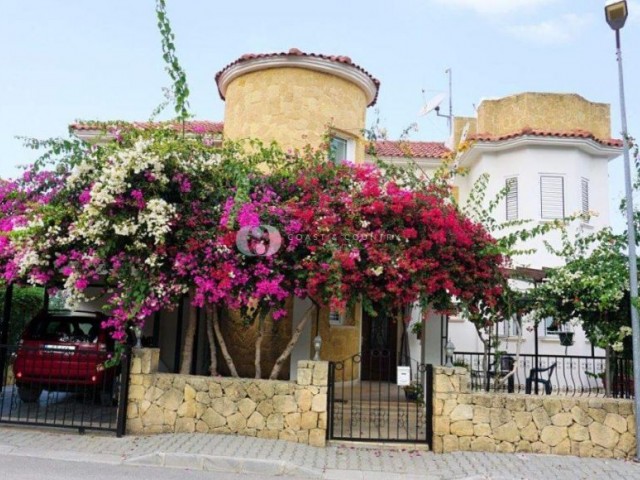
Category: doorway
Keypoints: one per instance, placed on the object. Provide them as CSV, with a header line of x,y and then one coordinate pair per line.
x,y
379,347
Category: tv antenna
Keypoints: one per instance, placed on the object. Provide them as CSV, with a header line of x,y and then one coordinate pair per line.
x,y
434,103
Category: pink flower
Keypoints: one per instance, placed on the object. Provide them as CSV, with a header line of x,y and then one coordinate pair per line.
x,y
138,196
85,196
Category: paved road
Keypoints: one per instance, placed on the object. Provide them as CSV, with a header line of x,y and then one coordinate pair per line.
x,y
193,453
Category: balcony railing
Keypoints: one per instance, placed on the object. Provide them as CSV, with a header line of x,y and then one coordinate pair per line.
x,y
570,375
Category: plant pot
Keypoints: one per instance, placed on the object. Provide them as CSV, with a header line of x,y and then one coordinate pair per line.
x,y
411,395
566,338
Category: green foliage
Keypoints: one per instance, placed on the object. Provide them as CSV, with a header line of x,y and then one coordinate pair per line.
x,y
26,302
416,328
180,88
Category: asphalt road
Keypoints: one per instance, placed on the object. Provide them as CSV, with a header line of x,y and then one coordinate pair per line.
x,y
13,467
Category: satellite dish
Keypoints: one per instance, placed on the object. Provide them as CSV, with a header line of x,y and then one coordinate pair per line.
x,y
465,133
432,104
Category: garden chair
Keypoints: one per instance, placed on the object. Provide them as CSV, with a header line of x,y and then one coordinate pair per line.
x,y
535,376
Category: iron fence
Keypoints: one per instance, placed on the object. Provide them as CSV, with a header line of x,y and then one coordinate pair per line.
x,y
63,386
570,375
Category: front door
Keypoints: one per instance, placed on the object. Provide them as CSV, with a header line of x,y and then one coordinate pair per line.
x,y
379,347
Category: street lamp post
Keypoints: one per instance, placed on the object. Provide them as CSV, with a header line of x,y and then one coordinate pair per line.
x,y
616,13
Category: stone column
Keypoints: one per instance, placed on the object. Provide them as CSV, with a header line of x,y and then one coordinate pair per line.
x,y
449,411
311,396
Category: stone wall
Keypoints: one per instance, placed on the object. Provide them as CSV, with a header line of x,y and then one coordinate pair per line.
x,y
492,422
170,403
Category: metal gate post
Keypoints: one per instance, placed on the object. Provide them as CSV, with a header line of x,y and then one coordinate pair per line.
x,y
123,400
428,399
330,401
4,332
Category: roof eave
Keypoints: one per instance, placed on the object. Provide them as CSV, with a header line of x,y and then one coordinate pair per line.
x,y
587,145
345,71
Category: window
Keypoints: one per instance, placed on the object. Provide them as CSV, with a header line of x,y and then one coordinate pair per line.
x,y
585,196
508,328
346,319
342,149
551,328
512,198
551,197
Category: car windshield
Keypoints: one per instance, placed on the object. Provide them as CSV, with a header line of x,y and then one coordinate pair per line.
x,y
67,329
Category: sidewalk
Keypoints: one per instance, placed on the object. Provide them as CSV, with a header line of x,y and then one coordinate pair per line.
x,y
254,455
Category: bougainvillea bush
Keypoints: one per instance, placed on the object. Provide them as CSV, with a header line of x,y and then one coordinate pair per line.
x,y
151,215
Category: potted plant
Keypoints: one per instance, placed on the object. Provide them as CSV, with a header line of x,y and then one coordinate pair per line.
x,y
416,329
461,363
566,338
414,392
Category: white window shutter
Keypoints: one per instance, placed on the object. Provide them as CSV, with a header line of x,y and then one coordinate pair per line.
x,y
585,196
512,198
551,197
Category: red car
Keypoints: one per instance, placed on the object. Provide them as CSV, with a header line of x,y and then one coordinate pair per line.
x,y
64,351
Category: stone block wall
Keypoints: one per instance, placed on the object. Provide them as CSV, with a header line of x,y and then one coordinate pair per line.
x,y
172,403
495,422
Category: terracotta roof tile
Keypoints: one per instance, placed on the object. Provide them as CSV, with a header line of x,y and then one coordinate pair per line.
x,y
402,148
192,126
294,52
486,137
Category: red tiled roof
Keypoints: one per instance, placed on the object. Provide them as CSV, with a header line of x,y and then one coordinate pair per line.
x,y
294,52
192,126
486,137
401,148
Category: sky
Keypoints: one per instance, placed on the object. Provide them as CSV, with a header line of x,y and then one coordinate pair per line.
x,y
63,60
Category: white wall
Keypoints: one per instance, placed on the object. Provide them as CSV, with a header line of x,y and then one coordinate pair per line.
x,y
528,163
302,349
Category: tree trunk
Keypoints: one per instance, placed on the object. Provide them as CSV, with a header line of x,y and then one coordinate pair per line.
x,y
292,343
221,342
213,368
259,337
189,341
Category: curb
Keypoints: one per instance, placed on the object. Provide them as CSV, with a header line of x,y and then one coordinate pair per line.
x,y
65,455
213,463
209,463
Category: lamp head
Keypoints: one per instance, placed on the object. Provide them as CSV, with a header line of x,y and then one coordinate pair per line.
x,y
317,346
450,349
616,13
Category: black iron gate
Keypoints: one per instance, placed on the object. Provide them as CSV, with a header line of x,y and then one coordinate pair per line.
x,y
57,387
378,409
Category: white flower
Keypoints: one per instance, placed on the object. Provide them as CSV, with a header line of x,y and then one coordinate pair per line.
x,y
378,270
156,218
617,347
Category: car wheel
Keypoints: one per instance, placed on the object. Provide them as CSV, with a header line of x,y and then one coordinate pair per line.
x,y
29,393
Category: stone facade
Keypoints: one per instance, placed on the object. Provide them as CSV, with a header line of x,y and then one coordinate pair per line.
x,y
339,343
492,422
241,342
170,403
294,107
545,111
